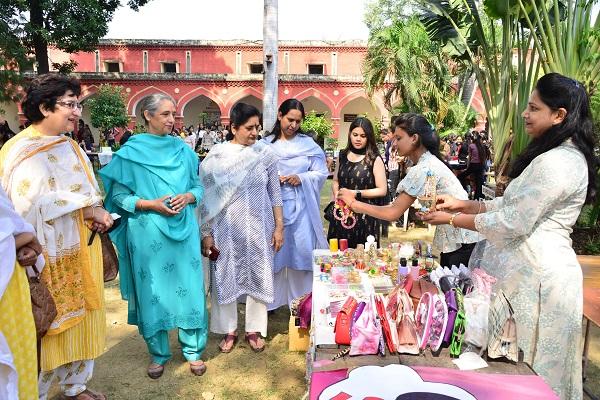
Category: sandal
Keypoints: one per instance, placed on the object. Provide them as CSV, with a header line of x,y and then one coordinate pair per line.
x,y
229,338
254,337
198,368
155,370
87,394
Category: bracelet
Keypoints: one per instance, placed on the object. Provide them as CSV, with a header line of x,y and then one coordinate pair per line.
x,y
451,222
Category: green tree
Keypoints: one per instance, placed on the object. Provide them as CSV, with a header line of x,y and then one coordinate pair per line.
x,y
319,124
70,25
13,56
403,62
107,108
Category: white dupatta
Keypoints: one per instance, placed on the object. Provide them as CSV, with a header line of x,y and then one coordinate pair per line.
x,y
224,171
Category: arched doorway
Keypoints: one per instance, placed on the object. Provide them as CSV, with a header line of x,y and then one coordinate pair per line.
x,y
252,100
201,110
87,119
359,106
10,112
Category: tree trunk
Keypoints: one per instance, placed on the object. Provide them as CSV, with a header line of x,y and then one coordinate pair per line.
x,y
271,76
40,45
502,179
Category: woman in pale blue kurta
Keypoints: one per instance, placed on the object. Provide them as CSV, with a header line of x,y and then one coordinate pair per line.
x,y
159,242
302,169
527,230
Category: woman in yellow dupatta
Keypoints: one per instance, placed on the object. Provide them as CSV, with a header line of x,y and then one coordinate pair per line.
x,y
49,180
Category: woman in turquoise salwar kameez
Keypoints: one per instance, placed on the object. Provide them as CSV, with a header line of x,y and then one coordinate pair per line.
x,y
152,181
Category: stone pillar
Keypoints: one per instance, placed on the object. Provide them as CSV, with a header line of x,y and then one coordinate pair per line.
x,y
271,75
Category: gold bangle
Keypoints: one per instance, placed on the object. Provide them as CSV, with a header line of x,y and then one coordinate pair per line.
x,y
451,222
93,212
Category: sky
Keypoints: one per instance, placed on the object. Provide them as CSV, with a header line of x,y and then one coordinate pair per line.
x,y
240,19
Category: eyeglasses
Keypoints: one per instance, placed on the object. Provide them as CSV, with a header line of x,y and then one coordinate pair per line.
x,y
71,104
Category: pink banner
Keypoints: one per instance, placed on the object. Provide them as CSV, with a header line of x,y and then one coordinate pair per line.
x,y
398,382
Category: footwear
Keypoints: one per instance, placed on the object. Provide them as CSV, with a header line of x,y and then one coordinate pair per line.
x,y
228,343
197,367
254,337
87,394
155,370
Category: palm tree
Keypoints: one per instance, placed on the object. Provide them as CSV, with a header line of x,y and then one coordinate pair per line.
x,y
403,62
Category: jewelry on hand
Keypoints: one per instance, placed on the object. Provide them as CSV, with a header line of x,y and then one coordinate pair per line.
x,y
343,213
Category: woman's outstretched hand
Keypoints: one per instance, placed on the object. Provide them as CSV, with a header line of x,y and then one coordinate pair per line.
x,y
435,217
346,195
448,203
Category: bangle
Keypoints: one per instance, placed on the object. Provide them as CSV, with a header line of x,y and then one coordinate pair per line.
x,y
451,222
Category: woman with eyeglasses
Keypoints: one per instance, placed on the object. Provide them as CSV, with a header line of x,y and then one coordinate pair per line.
x,y
62,201
527,230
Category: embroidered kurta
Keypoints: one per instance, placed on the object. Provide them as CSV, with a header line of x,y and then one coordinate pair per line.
x,y
446,238
52,200
529,252
18,354
159,256
303,227
243,226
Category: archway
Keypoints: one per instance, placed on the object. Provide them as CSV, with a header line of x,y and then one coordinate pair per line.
x,y
311,103
201,110
359,106
252,100
87,119
10,112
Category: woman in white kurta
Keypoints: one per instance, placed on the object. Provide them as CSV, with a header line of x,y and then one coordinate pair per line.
x,y
529,249
244,222
302,173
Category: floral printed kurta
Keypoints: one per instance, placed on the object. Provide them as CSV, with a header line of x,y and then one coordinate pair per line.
x,y
530,253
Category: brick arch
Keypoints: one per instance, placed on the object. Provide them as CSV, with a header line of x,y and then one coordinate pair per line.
x,y
312,92
195,93
136,98
88,92
248,91
377,102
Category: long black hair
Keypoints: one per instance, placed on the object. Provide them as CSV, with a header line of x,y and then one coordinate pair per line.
x,y
372,152
284,108
416,124
557,91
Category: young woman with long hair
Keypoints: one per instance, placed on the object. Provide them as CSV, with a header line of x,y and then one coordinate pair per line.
x,y
360,170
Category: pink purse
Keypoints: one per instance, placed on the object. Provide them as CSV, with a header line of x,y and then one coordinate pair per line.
x,y
408,341
366,333
431,319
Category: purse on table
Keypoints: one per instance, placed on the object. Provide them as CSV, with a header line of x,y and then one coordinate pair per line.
x,y
43,306
366,332
431,319
390,335
420,287
343,321
408,341
502,330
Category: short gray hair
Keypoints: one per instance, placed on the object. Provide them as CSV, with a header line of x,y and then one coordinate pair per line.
x,y
152,102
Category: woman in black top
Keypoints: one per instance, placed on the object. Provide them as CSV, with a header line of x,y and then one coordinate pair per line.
x,y
361,169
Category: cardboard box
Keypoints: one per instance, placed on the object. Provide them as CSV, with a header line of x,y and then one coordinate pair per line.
x,y
299,337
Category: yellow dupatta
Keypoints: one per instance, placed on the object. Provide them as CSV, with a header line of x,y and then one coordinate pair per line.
x,y
48,180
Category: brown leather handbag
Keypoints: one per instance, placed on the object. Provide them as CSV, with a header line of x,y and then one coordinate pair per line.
x,y
109,258
419,287
42,304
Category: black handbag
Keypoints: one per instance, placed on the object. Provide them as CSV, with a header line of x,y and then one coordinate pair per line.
x,y
328,212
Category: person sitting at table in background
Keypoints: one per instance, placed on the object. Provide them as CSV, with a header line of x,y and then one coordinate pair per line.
x,y
63,201
243,218
528,248
302,173
360,170
18,360
153,183
416,139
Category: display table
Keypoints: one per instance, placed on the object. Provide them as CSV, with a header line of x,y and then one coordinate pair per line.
x,y
324,372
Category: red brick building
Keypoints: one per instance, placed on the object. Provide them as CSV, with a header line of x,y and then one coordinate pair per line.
x,y
212,76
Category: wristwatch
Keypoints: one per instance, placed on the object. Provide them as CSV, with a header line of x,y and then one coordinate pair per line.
x,y
358,195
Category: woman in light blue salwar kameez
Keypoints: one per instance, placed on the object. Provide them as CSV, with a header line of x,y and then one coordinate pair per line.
x,y
302,169
152,183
